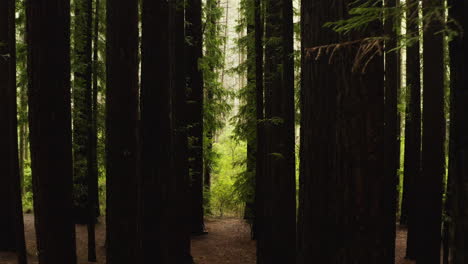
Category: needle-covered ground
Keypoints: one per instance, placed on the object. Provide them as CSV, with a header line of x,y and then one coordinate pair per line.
x,y
227,242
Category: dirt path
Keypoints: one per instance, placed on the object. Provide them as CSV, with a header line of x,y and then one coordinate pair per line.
x,y
81,242
228,242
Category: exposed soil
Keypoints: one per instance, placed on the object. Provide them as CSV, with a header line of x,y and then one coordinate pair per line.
x,y
227,242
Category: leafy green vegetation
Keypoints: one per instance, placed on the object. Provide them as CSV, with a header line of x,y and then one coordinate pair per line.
x,y
228,168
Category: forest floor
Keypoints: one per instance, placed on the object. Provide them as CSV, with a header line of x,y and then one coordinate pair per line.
x,y
227,242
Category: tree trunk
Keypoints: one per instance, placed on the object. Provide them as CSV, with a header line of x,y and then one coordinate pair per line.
x,y
412,170
260,148
48,31
93,178
342,174
11,223
279,201
122,130
179,222
7,59
193,16
391,132
155,131
250,115
430,186
95,91
82,107
458,171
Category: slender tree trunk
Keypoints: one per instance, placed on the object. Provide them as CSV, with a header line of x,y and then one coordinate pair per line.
x,y
22,151
279,201
194,53
430,186
48,35
92,183
180,182
82,106
260,148
226,30
7,58
22,96
95,91
391,133
251,116
458,172
11,223
208,164
412,133
122,130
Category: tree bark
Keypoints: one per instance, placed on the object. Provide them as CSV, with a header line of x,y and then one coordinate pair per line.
x,y
7,58
48,35
391,131
155,131
180,181
11,223
279,188
458,172
342,173
412,170
194,52
122,130
259,105
82,107
430,186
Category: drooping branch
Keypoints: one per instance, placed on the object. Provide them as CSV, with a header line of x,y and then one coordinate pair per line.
x,y
367,49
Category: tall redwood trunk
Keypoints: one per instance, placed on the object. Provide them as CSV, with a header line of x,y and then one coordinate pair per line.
x,y
193,16
412,133
155,132
11,223
180,223
259,109
342,174
279,185
48,36
122,130
7,59
458,171
391,132
430,185
82,107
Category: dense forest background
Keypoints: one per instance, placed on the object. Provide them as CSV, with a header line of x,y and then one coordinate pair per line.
x,y
325,125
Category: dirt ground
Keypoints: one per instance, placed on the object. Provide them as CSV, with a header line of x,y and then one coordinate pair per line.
x,y
228,242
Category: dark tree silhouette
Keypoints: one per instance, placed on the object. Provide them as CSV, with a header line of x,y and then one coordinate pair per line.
x,y
342,174
82,106
194,46
48,37
7,58
279,185
179,221
458,172
430,186
11,222
122,130
259,109
412,133
155,130
391,132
